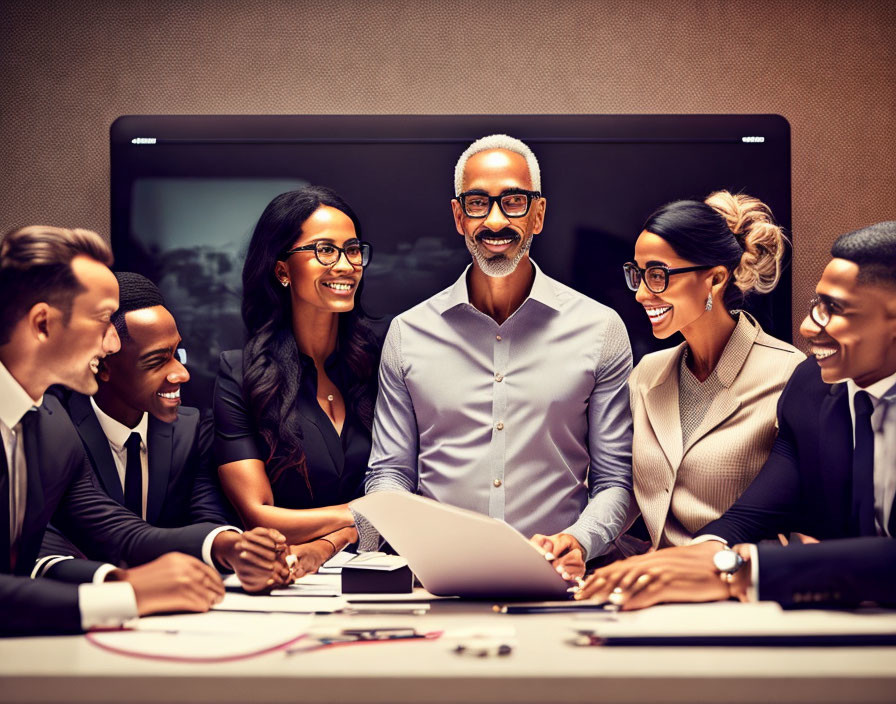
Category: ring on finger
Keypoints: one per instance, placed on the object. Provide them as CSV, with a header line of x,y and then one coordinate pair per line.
x,y
616,596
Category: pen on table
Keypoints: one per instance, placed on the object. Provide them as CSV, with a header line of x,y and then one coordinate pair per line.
x,y
416,610
550,608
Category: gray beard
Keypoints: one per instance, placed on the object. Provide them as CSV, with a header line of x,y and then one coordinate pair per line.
x,y
497,265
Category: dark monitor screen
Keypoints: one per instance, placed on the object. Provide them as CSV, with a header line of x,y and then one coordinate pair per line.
x,y
187,191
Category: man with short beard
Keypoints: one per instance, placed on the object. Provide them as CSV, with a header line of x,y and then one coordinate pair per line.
x,y
506,392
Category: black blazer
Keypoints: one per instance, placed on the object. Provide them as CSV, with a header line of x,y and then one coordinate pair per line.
x,y
181,488
62,488
806,486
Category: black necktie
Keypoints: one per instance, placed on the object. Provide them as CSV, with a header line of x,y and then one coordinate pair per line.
x,y
133,476
863,467
5,558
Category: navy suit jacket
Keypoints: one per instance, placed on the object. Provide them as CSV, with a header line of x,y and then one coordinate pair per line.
x,y
181,487
62,488
806,486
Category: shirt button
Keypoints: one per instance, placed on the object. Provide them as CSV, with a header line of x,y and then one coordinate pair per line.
x,y
499,425
497,482
499,377
498,338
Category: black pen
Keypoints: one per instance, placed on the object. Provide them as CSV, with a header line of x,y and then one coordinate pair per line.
x,y
549,608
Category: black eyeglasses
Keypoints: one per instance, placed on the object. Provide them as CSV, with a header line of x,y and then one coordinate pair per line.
x,y
514,202
356,253
656,278
819,312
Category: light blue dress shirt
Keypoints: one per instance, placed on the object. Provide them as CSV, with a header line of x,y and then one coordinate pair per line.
x,y
527,421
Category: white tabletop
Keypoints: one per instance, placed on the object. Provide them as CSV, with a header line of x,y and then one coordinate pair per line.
x,y
545,666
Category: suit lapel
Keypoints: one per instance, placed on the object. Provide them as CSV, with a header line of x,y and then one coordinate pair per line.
x,y
35,522
97,445
661,405
160,439
733,358
891,526
835,455
723,406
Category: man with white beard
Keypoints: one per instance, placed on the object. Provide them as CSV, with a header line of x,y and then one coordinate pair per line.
x,y
506,393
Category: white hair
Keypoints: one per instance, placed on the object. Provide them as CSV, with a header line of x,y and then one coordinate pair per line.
x,y
497,141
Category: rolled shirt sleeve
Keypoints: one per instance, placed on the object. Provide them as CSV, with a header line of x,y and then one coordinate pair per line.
x,y
611,508
393,456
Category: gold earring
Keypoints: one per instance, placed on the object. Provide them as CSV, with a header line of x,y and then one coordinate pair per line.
x,y
285,282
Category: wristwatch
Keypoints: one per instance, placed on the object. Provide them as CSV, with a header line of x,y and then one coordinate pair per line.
x,y
727,562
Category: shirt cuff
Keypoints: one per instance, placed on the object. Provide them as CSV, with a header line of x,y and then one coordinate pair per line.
x,y
106,605
45,563
369,539
706,538
753,589
606,515
102,572
209,539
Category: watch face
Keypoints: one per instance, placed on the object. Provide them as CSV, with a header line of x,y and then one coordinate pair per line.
x,y
727,560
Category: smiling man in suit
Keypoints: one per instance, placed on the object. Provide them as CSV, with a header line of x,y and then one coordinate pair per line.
x,y
58,298
831,474
149,452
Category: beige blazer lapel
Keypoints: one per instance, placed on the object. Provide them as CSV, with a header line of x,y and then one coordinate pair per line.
x,y
730,363
661,406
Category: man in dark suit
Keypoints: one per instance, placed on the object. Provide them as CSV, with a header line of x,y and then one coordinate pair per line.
x,y
58,297
831,474
149,453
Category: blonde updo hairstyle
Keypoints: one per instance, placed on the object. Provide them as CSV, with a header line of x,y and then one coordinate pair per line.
x,y
750,221
736,231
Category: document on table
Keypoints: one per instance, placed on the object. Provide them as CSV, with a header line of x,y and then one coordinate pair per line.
x,y
455,552
334,564
234,601
729,623
316,585
208,637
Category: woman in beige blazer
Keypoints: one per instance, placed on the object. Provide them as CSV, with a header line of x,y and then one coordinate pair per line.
x,y
704,411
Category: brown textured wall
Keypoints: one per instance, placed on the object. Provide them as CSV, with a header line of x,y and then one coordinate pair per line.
x,y
68,69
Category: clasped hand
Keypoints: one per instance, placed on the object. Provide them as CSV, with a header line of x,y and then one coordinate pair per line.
x,y
679,574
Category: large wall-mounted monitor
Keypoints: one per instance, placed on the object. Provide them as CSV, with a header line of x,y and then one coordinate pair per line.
x,y
187,191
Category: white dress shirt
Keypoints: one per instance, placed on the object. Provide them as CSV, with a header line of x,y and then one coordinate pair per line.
x,y
108,604
883,423
14,404
117,434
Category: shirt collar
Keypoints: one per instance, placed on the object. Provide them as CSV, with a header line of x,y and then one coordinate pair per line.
x,y
737,348
14,400
118,433
885,387
458,294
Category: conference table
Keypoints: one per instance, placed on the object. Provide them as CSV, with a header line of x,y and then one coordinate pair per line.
x,y
545,665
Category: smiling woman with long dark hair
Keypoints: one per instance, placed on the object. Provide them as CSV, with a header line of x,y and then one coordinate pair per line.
x,y
294,407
